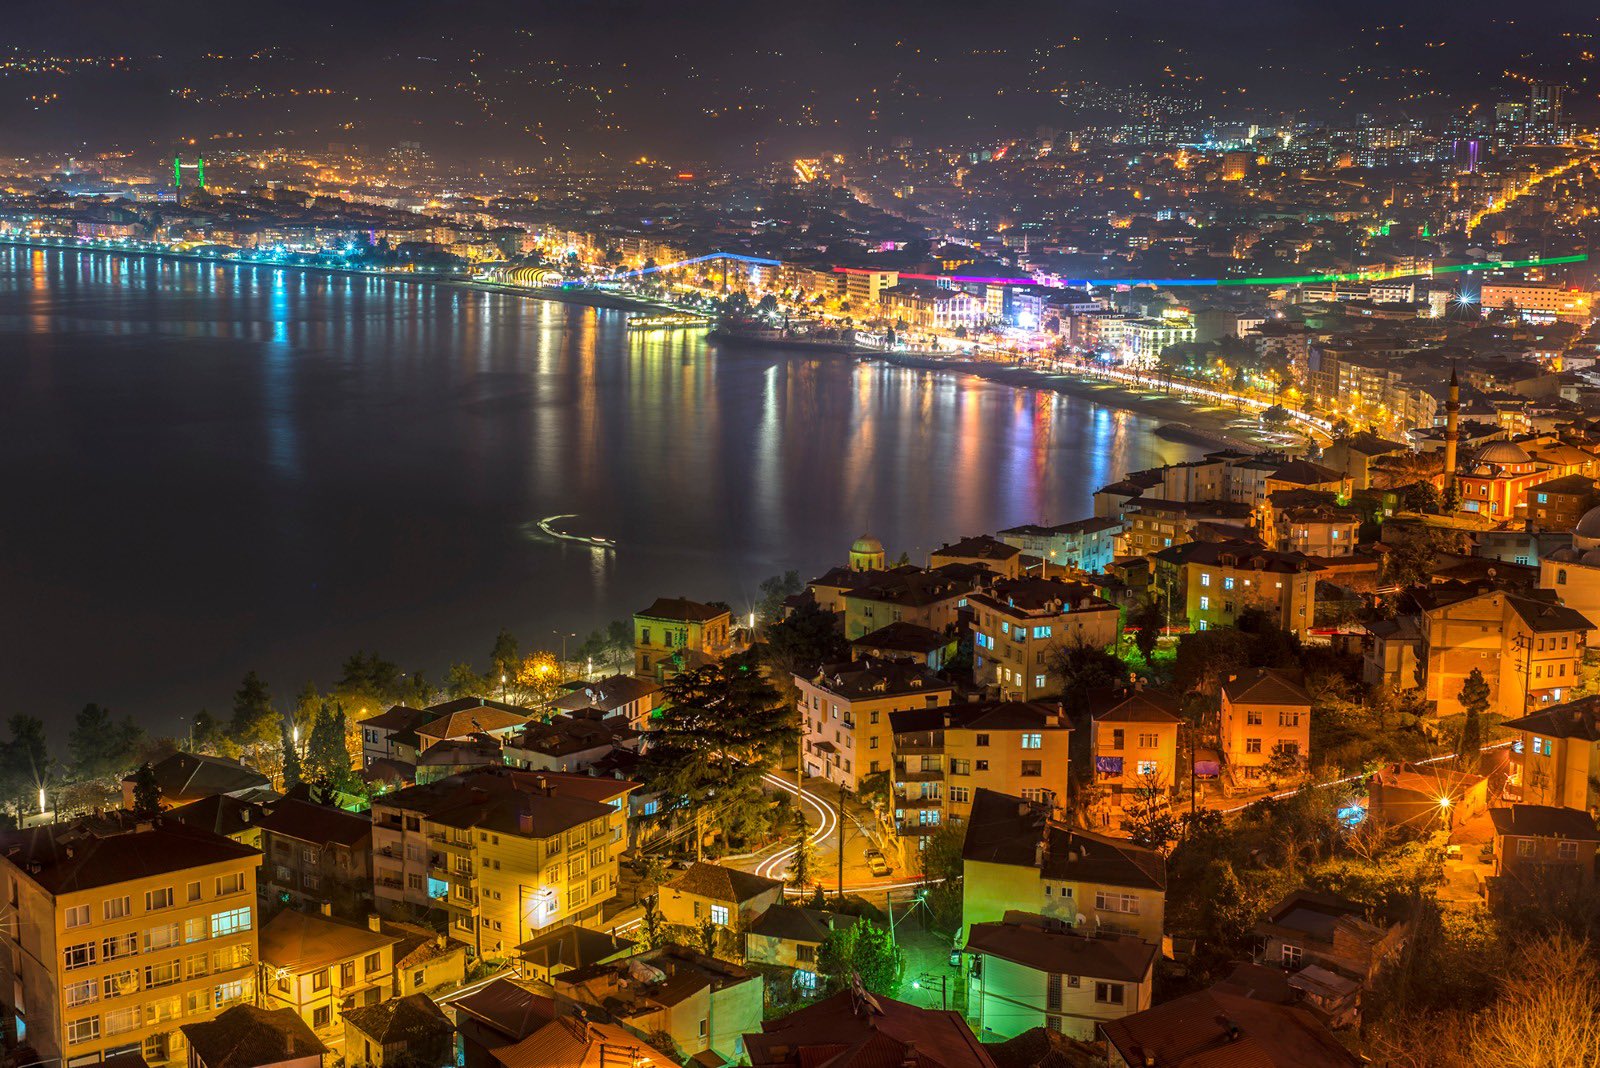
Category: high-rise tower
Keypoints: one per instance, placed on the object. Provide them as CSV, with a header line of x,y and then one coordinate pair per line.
x,y
1452,430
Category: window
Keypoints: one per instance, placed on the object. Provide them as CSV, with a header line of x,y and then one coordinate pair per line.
x,y
1252,745
84,1030
1032,769
805,954
1116,738
1205,578
1567,850
119,946
1149,741
1291,956
980,765
982,740
372,963
115,908
158,975
158,899
1525,847
121,1021
719,914
119,984
960,794
82,992
231,922
78,956
230,884
193,891
320,1017
78,916
319,980
1038,682
1227,583
1033,741
1205,604
1111,901
196,929
1252,717
347,973
1108,993
1289,719
1147,767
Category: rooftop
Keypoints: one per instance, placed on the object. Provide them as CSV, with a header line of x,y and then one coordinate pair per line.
x,y
91,852
1005,829
1033,943
717,883
864,1031
247,1037
306,941
682,610
532,804
1214,1029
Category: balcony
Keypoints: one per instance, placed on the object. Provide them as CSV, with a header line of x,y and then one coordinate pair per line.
x,y
914,803
919,775
919,748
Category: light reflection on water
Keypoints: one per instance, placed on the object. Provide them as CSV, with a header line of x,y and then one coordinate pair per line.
x,y
213,468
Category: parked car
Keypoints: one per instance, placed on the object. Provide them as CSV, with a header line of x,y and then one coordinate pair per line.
x,y
878,863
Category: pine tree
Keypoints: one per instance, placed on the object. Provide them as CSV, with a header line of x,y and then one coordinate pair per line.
x,y
255,725
804,861
291,761
1474,698
146,793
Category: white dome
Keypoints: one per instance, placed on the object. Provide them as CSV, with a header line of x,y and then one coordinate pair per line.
x,y
1504,453
1586,535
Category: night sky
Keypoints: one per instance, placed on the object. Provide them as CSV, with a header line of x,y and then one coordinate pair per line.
x,y
539,80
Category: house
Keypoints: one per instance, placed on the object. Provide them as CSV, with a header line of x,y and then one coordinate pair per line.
x,y
392,735
500,854
186,777
704,1005
316,853
676,634
569,742
713,892
564,949
468,717
409,1030
499,1016
1133,738
1031,972
1265,712
1307,927
1539,851
1560,503
906,641
1219,1027
103,914
860,1030
424,960
991,554
1420,798
1015,857
846,708
1391,652
224,815
456,756
248,1037
1353,454
790,936
1021,626
943,756
1556,761
318,966
576,1042
932,599
627,698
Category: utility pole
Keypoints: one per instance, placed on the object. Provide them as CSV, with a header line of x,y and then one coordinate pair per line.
x,y
841,839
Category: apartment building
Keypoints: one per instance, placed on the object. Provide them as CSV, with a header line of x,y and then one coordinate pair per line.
x,y
1021,625
944,756
1557,762
117,931
1087,545
845,709
1216,582
501,853
931,598
1527,647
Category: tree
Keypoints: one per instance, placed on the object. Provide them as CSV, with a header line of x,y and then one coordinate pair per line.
x,y
773,592
327,759
101,746
708,937
652,927
24,760
1149,818
370,681
1284,765
803,864
941,864
207,729
1150,620
862,949
1082,667
722,728
291,762
504,656
1548,1012
463,681
255,724
1423,497
540,676
146,793
1474,698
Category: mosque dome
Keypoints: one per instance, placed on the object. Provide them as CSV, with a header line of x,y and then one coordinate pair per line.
x,y
867,545
1503,453
1586,535
1590,558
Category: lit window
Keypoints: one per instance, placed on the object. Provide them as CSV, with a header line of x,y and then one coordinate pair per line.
x,y
719,914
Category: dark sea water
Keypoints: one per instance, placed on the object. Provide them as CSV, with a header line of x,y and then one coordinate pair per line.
x,y
209,469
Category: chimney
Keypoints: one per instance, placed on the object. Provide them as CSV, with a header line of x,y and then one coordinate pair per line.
x,y
1038,853
374,922
325,908
1231,1028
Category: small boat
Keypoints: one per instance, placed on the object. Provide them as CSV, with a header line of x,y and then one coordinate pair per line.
x,y
582,539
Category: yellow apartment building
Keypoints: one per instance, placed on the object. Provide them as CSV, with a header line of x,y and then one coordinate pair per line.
x,y
676,634
117,931
1021,625
1133,738
1216,582
1527,647
501,854
944,756
1264,711
931,599
1557,759
845,710
314,964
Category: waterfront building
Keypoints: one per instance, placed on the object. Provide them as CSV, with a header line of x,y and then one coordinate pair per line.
x,y
845,709
676,634
1021,627
119,930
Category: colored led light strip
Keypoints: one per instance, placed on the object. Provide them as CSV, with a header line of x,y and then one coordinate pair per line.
x,y
619,276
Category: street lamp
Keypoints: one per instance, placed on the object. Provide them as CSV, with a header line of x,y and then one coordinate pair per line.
x,y
926,980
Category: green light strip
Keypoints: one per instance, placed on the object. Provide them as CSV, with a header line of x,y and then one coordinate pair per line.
x,y
1356,276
